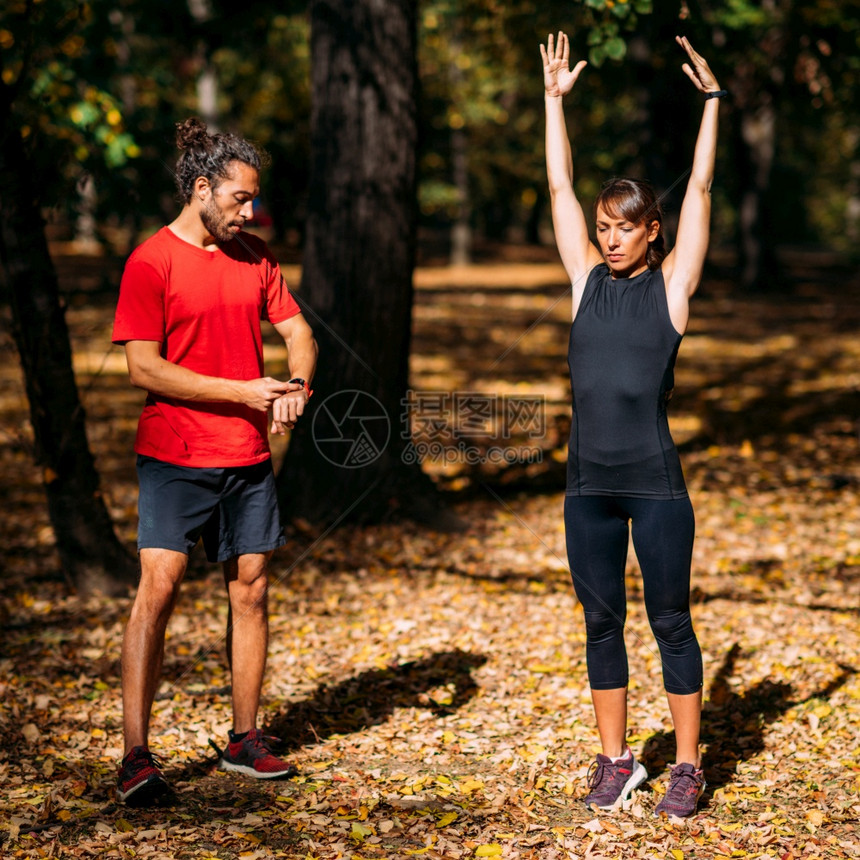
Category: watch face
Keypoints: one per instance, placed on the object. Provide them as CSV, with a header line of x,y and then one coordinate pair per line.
x,y
298,379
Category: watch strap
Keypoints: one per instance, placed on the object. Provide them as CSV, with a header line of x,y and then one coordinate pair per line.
x,y
304,384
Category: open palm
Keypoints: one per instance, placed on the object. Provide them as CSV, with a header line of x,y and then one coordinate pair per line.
x,y
558,77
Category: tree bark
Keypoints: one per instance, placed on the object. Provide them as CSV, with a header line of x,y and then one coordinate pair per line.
x,y
91,555
755,144
359,255
755,92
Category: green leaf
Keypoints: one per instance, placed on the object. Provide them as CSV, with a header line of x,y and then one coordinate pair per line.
x,y
615,48
597,55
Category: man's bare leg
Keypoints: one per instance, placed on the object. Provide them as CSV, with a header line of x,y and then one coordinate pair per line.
x,y
247,634
162,571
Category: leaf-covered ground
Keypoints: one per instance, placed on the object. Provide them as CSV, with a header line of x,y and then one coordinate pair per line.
x,y
431,687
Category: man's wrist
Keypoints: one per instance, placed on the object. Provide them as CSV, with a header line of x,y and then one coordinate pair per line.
x,y
303,383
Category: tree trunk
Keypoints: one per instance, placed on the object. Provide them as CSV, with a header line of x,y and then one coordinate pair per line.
x,y
754,151
461,230
91,555
207,77
349,457
754,96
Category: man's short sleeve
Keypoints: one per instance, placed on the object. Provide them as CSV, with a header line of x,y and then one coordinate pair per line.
x,y
140,309
280,303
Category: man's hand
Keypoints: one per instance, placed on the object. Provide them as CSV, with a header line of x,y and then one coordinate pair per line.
x,y
262,394
287,409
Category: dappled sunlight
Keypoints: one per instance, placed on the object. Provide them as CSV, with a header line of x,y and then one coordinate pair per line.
x,y
432,686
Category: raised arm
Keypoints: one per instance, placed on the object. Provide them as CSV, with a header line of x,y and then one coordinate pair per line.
x,y
577,252
682,268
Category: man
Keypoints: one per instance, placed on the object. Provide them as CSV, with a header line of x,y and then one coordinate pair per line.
x,y
190,304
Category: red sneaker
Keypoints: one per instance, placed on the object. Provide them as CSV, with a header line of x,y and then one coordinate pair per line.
x,y
139,780
253,756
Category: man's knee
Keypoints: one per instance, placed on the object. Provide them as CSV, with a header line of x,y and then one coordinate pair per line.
x,y
248,580
160,578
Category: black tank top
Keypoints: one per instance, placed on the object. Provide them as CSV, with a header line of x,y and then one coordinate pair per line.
x,y
622,358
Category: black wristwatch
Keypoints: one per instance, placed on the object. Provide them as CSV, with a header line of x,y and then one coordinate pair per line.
x,y
304,384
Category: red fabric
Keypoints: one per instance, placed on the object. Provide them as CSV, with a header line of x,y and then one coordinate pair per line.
x,y
204,308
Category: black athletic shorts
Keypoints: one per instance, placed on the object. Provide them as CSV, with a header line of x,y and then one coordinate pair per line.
x,y
234,510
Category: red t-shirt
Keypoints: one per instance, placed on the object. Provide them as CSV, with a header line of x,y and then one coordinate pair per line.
x,y
204,308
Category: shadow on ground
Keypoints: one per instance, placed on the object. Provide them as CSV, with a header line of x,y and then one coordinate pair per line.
x,y
441,682
734,723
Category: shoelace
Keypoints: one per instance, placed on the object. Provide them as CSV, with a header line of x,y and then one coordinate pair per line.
x,y
595,774
265,742
691,785
144,759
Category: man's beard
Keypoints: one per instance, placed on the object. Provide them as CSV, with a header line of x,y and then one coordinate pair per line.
x,y
214,222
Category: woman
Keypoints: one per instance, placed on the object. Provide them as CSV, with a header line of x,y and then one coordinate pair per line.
x,y
630,311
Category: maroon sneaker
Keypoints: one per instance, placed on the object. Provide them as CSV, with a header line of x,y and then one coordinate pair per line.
x,y
139,780
611,782
253,756
686,786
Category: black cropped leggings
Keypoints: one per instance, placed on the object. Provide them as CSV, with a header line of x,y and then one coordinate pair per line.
x,y
596,529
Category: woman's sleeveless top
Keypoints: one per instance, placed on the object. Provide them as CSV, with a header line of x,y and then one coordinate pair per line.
x,y
622,357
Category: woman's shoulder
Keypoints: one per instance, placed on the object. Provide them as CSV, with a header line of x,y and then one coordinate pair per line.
x,y
598,272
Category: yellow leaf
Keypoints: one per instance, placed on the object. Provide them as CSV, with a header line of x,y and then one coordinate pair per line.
x,y
446,819
678,854
493,849
124,826
816,817
359,832
448,737
471,785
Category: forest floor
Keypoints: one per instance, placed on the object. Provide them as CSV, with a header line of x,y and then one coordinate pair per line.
x,y
431,687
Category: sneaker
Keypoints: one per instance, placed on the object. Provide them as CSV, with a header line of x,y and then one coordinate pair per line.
x,y
686,786
139,780
611,782
253,756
